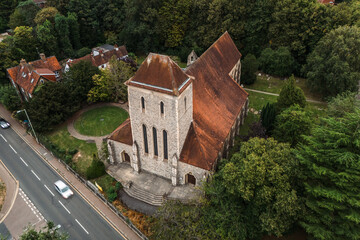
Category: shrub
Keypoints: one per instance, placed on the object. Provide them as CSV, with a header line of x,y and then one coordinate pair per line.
x,y
111,194
268,115
249,68
10,98
96,169
277,62
290,95
118,186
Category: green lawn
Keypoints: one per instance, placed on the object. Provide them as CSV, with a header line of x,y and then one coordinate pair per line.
x,y
258,100
100,121
274,85
82,160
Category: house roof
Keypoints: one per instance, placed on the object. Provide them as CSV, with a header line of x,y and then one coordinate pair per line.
x,y
103,57
217,101
28,75
160,73
332,2
123,133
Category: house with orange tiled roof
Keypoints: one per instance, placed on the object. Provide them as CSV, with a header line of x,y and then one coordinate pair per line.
x,y
182,122
27,76
100,56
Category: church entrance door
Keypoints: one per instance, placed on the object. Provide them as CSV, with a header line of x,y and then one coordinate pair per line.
x,y
125,157
190,179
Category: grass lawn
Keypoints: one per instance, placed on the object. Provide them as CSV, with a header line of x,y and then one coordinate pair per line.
x,y
84,157
274,85
259,100
100,121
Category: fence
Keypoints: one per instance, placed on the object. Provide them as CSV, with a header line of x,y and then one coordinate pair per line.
x,y
93,188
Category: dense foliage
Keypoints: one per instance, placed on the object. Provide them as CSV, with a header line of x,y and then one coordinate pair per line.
x,y
249,66
334,66
330,162
277,62
290,95
49,232
268,115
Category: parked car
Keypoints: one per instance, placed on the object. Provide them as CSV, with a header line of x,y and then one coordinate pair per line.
x,y
63,189
4,124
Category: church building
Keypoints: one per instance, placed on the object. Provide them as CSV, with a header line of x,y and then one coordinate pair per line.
x,y
182,121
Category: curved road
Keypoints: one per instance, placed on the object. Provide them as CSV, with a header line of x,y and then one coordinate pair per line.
x,y
36,178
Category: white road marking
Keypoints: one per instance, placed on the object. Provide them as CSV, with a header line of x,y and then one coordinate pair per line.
x,y
65,207
81,226
12,149
24,161
3,137
49,190
35,175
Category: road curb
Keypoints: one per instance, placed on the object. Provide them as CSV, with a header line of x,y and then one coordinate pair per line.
x,y
15,194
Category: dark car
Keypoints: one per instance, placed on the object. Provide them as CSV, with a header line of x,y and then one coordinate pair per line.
x,y
3,123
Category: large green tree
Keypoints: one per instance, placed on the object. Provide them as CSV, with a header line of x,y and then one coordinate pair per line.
x,y
24,43
290,95
6,9
63,35
334,65
278,62
24,14
47,38
44,14
248,69
343,103
291,124
330,161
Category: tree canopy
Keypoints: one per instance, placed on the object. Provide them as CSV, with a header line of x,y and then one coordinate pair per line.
x,y
290,95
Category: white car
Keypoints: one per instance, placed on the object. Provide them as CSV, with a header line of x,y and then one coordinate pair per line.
x,y
63,189
3,123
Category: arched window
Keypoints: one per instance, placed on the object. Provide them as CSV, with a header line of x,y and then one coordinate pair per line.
x,y
155,141
185,103
142,103
161,107
145,139
165,144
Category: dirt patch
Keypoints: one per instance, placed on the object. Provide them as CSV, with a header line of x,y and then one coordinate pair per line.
x,y
2,193
141,221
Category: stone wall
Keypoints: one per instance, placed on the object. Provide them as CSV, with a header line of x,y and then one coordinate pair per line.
x,y
116,149
199,173
235,73
175,121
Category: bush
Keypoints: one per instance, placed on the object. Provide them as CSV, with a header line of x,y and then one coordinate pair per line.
x,y
118,186
277,62
111,194
96,169
268,115
249,68
290,95
10,98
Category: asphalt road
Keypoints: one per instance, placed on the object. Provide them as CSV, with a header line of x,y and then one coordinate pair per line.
x,y
36,178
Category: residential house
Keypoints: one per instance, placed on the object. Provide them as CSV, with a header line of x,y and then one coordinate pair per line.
x,y
40,3
182,122
27,76
100,56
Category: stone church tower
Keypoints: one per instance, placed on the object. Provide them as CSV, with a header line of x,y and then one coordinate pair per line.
x,y
160,108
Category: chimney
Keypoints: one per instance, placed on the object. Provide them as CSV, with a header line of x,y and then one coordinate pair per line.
x,y
101,53
42,56
22,62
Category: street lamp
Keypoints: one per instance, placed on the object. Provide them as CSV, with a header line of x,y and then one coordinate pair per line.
x,y
24,110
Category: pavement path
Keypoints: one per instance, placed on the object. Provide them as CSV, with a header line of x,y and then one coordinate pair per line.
x,y
275,94
97,140
105,211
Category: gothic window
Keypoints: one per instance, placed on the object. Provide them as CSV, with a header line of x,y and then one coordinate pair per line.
x,y
145,139
161,107
165,144
143,103
185,103
155,141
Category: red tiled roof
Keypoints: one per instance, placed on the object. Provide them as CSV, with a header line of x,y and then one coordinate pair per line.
x,y
217,101
160,73
327,1
123,133
27,77
102,58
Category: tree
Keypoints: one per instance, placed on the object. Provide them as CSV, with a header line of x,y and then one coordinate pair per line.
x,y
268,115
74,32
7,7
291,124
290,95
277,62
249,68
6,60
62,30
49,232
24,14
44,14
25,42
79,80
330,161
261,175
343,103
10,98
334,65
110,84
46,36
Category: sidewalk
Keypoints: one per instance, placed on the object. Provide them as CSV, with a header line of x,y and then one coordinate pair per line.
x,y
87,194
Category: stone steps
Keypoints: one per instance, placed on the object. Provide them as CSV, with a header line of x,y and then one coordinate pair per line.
x,y
143,195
